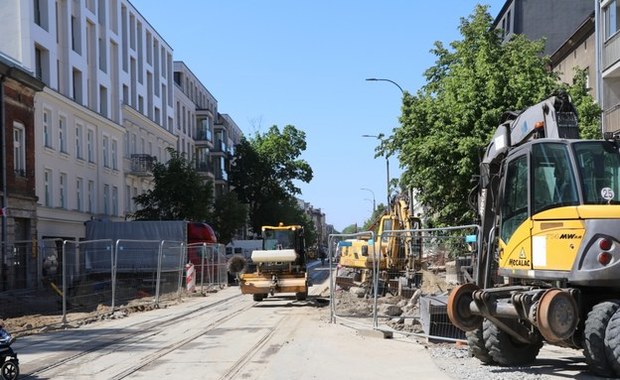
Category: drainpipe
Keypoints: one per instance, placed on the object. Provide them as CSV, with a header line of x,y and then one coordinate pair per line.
x,y
3,272
598,56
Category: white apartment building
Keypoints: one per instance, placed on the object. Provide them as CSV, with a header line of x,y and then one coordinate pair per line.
x,y
195,115
107,112
227,135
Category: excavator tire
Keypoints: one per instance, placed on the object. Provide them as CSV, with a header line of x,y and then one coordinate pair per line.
x,y
477,347
612,343
504,350
594,337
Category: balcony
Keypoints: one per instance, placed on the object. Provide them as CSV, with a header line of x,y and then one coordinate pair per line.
x,y
611,119
142,164
611,56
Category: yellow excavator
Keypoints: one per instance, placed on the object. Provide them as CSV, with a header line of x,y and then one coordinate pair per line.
x,y
280,266
547,267
396,249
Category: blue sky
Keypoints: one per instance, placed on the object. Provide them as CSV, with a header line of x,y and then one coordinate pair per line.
x,y
304,63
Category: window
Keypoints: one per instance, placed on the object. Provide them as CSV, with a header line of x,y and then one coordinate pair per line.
x,y
114,200
599,169
105,148
78,141
103,101
128,199
90,145
91,196
514,206
47,177
114,153
508,23
62,190
40,13
77,86
79,184
554,180
610,19
47,128
42,64
19,149
106,199
76,39
102,55
62,134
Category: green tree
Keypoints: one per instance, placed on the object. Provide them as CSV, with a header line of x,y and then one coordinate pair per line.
x,y
351,229
588,110
229,214
178,193
264,171
447,124
373,222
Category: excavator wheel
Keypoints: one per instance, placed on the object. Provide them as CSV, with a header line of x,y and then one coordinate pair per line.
x,y
557,315
476,346
594,337
458,307
612,343
504,350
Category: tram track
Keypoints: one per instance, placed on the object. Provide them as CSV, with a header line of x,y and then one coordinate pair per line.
x,y
143,330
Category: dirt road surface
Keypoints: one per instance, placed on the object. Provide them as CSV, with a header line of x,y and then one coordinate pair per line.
x,y
227,335
224,336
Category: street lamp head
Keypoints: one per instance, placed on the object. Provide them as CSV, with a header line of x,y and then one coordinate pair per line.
x,y
386,80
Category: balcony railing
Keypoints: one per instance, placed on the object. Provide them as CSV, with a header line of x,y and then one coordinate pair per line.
x,y
611,51
611,119
142,164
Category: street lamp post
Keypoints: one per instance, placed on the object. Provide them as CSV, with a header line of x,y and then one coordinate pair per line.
x,y
387,172
373,198
387,159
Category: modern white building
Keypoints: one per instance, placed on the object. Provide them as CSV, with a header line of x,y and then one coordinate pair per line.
x,y
107,112
195,114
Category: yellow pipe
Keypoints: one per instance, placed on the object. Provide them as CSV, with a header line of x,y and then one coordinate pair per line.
x,y
56,289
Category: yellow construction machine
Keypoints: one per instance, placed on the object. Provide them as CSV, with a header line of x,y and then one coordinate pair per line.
x,y
280,265
548,262
395,252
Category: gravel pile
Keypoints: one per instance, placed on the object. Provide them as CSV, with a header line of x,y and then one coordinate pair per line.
x,y
457,363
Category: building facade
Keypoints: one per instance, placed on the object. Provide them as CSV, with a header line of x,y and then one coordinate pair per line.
x,y
18,88
578,51
609,37
553,20
106,114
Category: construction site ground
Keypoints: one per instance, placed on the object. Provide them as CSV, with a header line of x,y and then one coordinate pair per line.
x,y
452,358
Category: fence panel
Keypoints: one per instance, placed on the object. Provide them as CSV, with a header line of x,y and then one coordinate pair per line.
x,y
87,269
210,265
409,280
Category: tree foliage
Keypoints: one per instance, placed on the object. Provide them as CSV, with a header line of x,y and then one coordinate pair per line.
x,y
229,214
588,110
446,125
264,171
178,193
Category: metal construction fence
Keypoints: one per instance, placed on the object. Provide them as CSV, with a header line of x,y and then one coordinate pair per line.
x,y
99,276
406,293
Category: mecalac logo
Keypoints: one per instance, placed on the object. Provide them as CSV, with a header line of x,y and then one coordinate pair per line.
x,y
522,261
